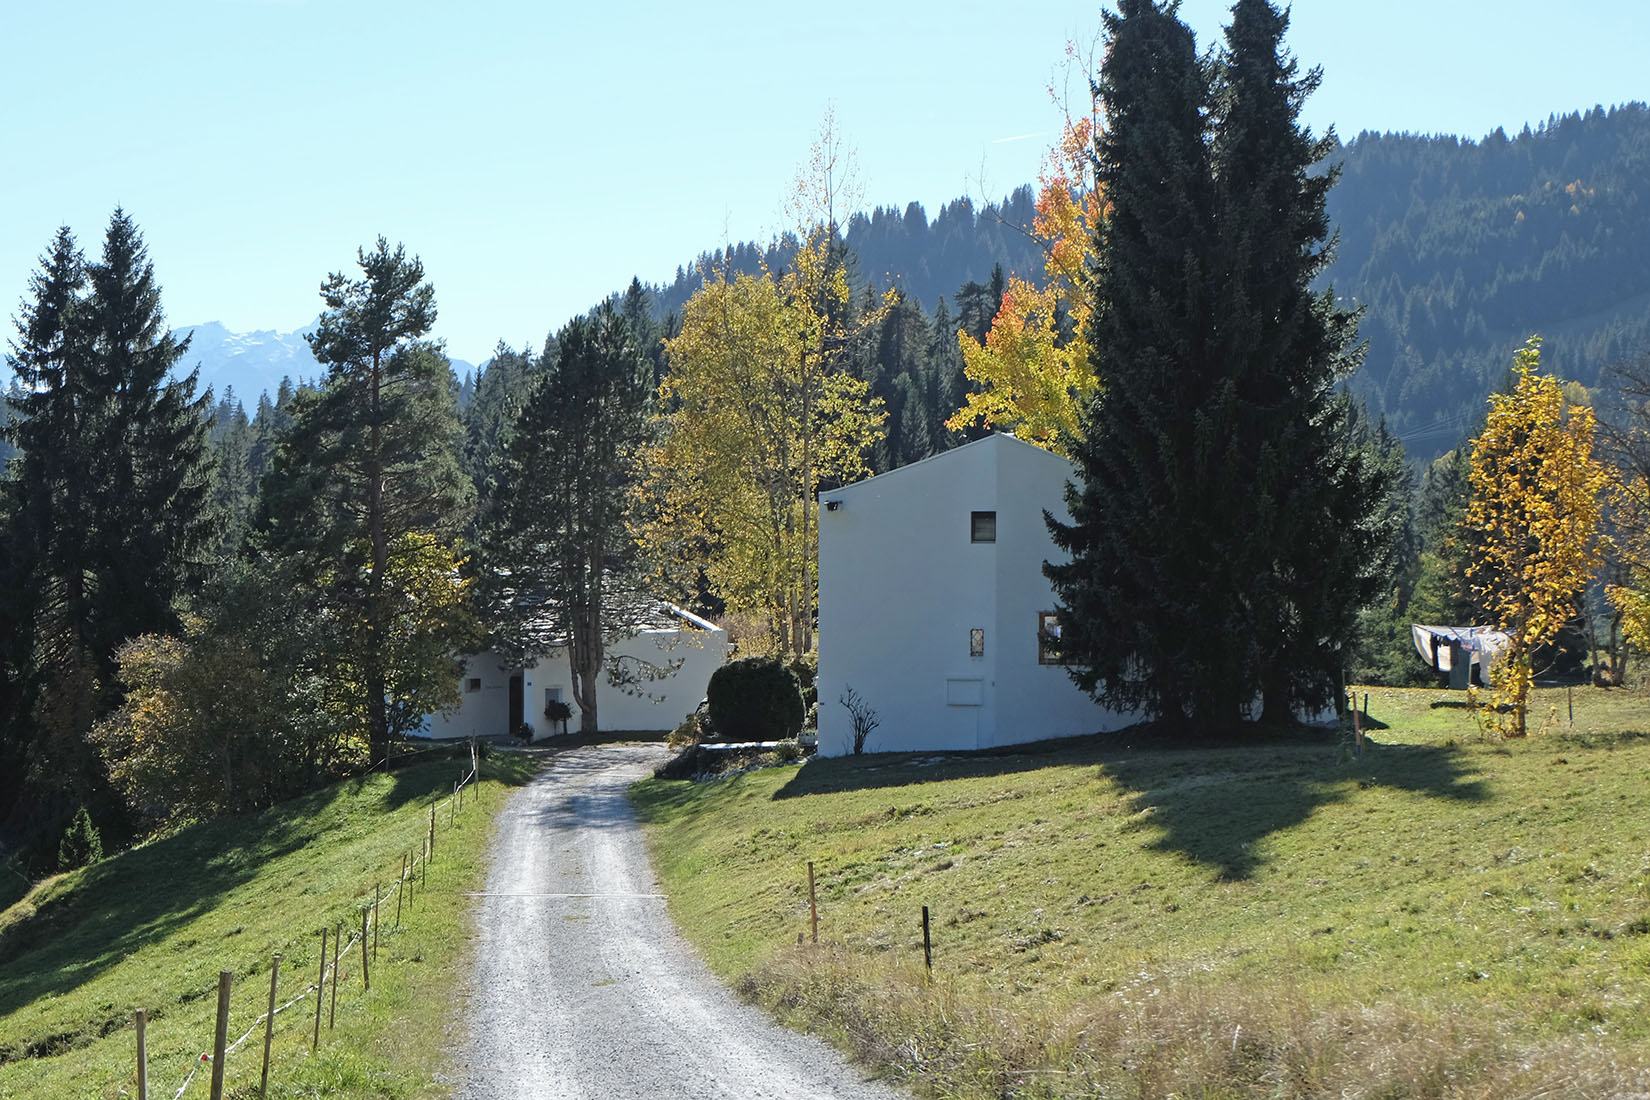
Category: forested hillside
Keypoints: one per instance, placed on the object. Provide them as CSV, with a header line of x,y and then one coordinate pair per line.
x,y
925,259
1459,250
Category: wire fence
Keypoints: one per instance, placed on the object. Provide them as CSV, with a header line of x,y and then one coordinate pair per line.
x,y
413,876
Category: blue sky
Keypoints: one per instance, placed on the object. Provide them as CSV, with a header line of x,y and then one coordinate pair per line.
x,y
536,159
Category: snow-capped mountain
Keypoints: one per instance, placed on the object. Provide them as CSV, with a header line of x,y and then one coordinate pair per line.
x,y
254,362
251,362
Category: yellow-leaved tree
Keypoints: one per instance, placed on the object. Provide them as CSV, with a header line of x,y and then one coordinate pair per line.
x,y
753,429
1033,375
760,414
1532,521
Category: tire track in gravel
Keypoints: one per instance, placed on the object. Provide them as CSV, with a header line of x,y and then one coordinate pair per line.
x,y
583,988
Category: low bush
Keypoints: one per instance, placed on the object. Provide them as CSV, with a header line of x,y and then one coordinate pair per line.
x,y
755,699
688,733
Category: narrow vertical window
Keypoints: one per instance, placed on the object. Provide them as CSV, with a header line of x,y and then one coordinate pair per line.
x,y
982,527
976,642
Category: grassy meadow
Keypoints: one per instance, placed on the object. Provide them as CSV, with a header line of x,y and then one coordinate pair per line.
x,y
152,927
1447,915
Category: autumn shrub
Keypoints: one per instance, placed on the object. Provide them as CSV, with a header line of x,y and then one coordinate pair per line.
x,y
685,735
755,699
240,709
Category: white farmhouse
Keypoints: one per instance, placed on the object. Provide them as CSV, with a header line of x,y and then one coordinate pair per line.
x,y
667,665
932,604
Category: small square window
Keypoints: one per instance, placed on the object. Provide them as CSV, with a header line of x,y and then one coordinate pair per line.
x,y
552,695
473,684
976,642
1048,639
982,527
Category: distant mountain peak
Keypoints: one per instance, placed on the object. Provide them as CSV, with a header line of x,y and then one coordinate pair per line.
x,y
255,362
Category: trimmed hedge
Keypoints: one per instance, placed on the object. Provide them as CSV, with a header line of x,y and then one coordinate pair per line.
x,y
754,699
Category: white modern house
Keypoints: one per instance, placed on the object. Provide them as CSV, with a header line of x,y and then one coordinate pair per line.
x,y
665,666
933,606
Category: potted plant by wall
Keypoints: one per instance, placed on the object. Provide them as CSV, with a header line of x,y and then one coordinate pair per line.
x,y
558,711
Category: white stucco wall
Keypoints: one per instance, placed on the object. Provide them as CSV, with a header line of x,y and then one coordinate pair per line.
x,y
901,585
483,711
650,706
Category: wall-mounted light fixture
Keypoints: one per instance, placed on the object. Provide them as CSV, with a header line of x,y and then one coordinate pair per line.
x,y
832,505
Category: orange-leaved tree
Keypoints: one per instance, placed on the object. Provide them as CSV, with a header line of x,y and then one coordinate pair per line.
x,y
1532,520
1032,375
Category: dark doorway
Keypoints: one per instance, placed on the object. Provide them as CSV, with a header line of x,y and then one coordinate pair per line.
x,y
517,711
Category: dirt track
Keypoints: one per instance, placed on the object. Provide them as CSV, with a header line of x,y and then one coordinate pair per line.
x,y
583,987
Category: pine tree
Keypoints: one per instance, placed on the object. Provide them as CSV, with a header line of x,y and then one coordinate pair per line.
x,y
502,389
946,387
1235,515
109,498
234,487
637,307
560,568
1142,609
1306,548
367,490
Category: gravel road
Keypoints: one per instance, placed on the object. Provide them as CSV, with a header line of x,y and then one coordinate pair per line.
x,y
584,989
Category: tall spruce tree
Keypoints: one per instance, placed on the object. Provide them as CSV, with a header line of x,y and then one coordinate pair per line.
x,y
109,497
559,565
501,390
367,492
1143,606
1234,515
1312,537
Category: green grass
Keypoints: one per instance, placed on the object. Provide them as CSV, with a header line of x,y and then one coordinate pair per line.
x,y
1447,916
153,926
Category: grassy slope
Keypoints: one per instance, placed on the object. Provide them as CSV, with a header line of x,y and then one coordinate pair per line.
x,y
153,926
1447,916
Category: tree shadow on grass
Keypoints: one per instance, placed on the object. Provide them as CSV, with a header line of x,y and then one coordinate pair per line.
x,y
1215,806
143,896
1211,803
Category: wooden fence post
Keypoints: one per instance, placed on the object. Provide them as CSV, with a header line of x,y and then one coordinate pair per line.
x,y
220,1037
142,1055
813,906
332,1010
927,948
320,992
269,1026
431,853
